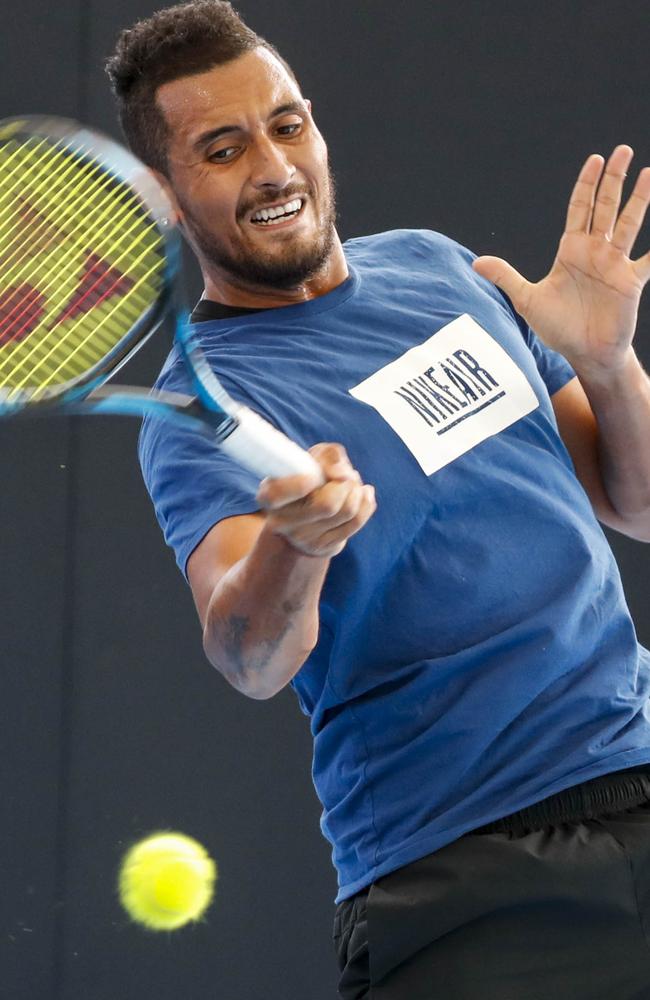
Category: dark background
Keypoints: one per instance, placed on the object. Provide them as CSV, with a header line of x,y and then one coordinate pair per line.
x,y
464,117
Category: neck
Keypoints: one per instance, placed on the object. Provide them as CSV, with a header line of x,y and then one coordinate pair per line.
x,y
222,287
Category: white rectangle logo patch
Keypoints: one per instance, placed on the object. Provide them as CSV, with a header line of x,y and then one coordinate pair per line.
x,y
448,394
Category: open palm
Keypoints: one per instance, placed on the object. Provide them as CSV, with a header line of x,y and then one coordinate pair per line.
x,y
586,307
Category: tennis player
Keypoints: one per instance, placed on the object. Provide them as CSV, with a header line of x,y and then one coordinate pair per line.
x,y
445,607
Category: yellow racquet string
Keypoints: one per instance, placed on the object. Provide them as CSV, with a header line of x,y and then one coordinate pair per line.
x,y
96,206
89,223
30,161
77,359
55,181
105,339
10,170
97,246
101,334
13,154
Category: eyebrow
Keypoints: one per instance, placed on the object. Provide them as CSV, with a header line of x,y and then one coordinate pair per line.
x,y
207,137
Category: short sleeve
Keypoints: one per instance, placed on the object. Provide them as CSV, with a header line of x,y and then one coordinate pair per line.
x,y
191,483
554,369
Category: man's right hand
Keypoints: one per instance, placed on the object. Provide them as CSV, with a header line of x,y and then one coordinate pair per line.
x,y
317,520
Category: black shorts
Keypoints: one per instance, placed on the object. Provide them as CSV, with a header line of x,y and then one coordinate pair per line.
x,y
552,903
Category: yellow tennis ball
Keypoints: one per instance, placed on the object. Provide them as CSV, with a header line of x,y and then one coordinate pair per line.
x,y
166,881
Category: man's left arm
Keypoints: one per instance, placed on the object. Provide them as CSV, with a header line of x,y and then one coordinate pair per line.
x,y
586,308
606,429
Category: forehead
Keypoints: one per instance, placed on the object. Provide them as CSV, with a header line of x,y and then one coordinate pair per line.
x,y
239,91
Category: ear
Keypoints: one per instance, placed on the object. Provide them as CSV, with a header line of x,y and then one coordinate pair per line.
x,y
308,103
177,213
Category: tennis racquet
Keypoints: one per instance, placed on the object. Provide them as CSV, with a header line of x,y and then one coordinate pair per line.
x,y
89,267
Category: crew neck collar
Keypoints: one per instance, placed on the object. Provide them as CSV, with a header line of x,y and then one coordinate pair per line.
x,y
297,310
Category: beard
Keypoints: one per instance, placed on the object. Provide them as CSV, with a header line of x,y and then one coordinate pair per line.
x,y
286,268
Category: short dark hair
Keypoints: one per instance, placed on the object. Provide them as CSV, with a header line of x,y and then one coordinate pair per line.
x,y
178,41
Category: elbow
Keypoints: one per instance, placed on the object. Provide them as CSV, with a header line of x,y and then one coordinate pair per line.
x,y
634,525
257,660
638,530
252,685
266,679
261,680
235,675
259,693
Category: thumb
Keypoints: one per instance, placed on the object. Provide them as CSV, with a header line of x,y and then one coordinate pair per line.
x,y
505,277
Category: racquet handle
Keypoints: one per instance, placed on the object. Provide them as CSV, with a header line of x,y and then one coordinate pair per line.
x,y
266,451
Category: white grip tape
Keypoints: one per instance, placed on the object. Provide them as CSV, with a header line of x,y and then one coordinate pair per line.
x,y
262,449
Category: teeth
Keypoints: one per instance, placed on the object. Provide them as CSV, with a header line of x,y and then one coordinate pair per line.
x,y
265,214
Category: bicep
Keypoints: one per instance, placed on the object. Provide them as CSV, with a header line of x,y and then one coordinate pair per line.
x,y
224,545
579,431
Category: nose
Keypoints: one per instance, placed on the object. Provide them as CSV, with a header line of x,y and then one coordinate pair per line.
x,y
270,166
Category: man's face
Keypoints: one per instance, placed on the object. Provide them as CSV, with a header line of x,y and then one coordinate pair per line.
x,y
242,139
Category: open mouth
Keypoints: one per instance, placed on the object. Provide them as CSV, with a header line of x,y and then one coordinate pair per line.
x,y
278,215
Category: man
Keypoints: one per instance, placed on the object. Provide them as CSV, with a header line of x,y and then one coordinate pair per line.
x,y
478,699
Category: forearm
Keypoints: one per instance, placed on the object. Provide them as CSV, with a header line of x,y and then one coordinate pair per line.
x,y
262,620
621,405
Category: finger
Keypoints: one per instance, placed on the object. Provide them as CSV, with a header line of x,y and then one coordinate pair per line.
x,y
608,199
642,268
504,275
334,461
366,510
631,218
309,534
324,504
581,202
332,541
278,492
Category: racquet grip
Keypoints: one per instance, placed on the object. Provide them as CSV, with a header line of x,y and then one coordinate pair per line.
x,y
266,451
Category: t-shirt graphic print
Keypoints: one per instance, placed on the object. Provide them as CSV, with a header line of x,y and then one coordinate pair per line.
x,y
448,394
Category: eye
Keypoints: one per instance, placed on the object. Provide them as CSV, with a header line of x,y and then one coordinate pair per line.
x,y
227,153
290,129
222,154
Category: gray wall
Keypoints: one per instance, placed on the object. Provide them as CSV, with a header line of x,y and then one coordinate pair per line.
x,y
465,117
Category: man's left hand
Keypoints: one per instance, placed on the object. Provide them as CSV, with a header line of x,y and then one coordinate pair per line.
x,y
586,307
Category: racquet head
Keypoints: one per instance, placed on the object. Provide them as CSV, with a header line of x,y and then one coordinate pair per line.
x,y
87,258
88,261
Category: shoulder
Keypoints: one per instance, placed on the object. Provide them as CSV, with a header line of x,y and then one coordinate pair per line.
x,y
173,377
416,242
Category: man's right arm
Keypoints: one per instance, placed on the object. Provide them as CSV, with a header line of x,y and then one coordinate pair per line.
x,y
257,579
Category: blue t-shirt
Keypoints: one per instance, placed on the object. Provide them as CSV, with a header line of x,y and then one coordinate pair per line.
x,y
475,653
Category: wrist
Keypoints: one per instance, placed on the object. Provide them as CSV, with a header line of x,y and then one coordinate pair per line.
x,y
613,378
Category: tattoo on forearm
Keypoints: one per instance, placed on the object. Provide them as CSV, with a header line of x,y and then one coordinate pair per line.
x,y
235,630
